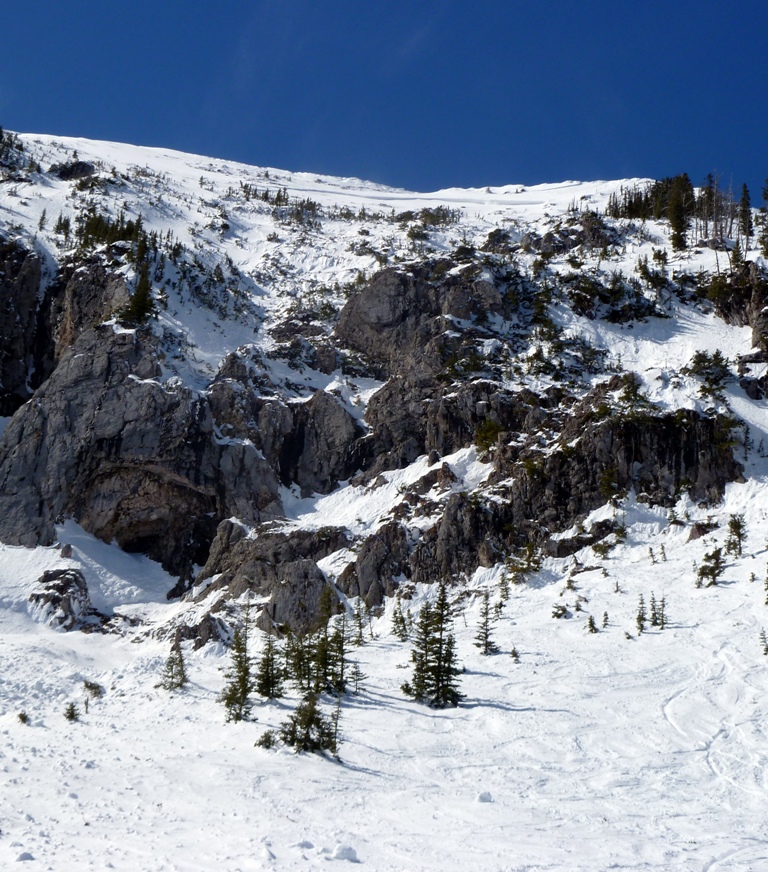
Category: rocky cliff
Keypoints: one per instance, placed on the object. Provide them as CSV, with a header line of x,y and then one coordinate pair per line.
x,y
482,364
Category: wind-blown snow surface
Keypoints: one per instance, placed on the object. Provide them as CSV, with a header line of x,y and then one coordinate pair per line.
x,y
595,751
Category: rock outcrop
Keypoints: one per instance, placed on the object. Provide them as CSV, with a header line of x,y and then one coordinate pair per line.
x,y
130,458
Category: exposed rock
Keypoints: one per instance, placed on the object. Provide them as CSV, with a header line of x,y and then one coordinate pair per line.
x,y
77,169
752,388
84,292
380,560
20,277
701,529
209,629
64,602
131,459
566,546
279,566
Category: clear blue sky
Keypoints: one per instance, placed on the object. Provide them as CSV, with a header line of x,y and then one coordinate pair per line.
x,y
420,94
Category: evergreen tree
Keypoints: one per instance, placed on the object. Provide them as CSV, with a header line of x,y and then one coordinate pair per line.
x,y
712,567
359,617
605,619
663,613
175,671
679,209
483,639
737,258
337,667
308,729
71,712
504,587
299,660
745,217
654,611
399,627
591,625
764,222
269,674
764,642
737,535
435,666
356,676
642,616
141,305
240,681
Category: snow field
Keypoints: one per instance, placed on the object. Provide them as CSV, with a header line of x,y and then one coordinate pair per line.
x,y
597,751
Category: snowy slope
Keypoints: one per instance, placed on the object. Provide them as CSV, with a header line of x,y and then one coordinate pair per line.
x,y
595,751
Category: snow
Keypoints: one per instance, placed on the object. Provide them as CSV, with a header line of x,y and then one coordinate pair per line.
x,y
596,751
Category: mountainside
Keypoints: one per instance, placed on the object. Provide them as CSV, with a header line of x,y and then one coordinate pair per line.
x,y
225,385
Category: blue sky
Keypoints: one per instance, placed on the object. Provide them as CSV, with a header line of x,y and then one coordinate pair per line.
x,y
421,94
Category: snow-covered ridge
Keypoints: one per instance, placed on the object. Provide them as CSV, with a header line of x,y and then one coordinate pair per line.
x,y
614,749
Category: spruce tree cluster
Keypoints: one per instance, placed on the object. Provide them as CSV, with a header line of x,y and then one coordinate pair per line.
x,y
435,665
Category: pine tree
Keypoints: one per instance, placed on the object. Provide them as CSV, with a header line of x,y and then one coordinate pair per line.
x,y
71,712
663,613
308,729
399,627
504,591
359,618
337,674
269,674
435,666
591,625
654,611
737,535
712,567
356,676
764,642
737,258
175,671
678,210
605,619
642,616
745,217
299,660
141,305
483,639
240,681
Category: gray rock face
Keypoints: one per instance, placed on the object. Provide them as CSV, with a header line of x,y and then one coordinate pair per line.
x,y
398,320
83,293
20,276
381,559
280,566
312,443
63,601
129,458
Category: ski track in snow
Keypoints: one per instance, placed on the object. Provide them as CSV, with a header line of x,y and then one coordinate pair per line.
x,y
596,752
